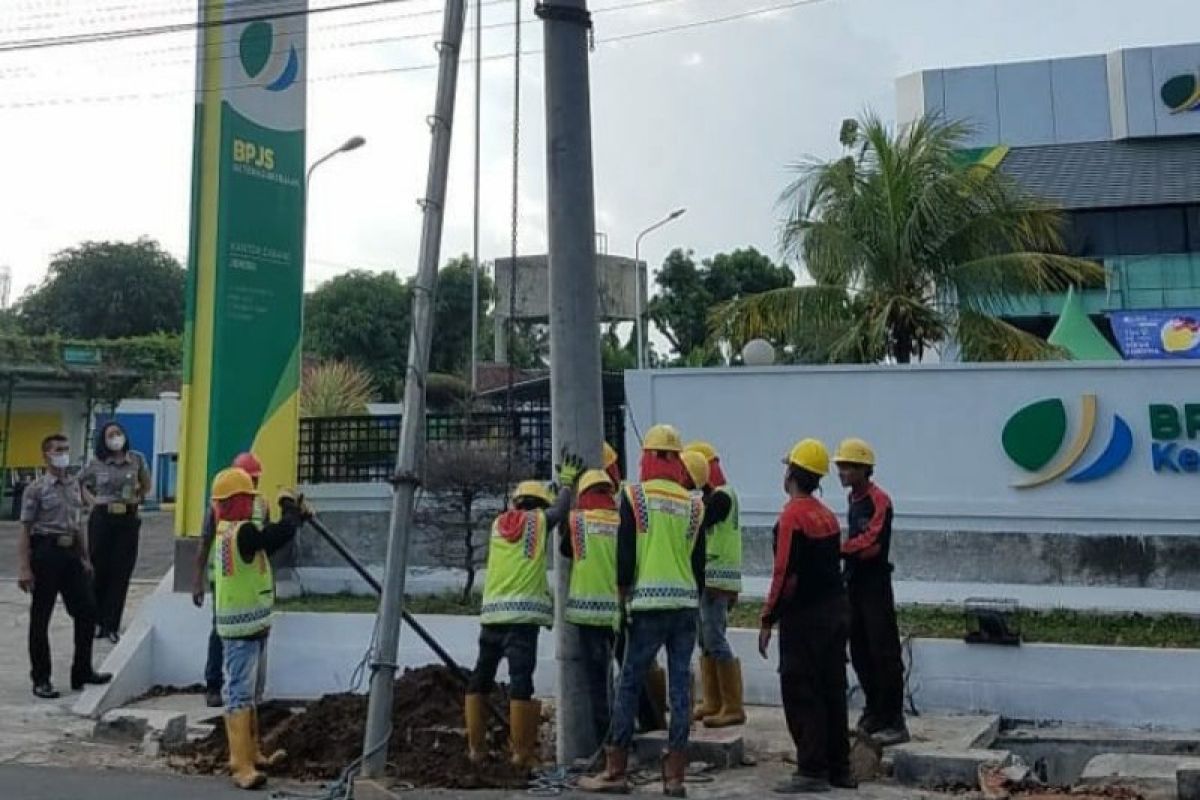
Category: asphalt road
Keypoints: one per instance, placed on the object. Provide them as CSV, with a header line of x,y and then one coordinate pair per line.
x,y
51,783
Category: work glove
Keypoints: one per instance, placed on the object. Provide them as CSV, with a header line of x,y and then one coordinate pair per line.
x,y
569,470
290,502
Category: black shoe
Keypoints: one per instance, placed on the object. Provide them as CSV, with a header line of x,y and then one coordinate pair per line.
x,y
212,698
114,637
101,633
894,734
45,691
802,784
843,780
90,678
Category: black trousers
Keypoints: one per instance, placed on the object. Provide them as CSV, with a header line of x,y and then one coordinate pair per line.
x,y
596,646
113,539
516,644
58,571
812,681
875,646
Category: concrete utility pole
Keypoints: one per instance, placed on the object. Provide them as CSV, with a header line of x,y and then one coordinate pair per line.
x,y
575,393
412,424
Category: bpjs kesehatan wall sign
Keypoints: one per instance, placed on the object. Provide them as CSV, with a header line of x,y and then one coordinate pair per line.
x,y
1035,438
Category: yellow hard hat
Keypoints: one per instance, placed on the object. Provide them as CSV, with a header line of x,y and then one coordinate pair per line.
x,y
697,467
231,482
855,451
593,478
809,454
703,448
610,455
535,490
663,437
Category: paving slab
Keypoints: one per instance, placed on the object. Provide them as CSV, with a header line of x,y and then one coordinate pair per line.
x,y
1153,776
935,767
168,728
723,748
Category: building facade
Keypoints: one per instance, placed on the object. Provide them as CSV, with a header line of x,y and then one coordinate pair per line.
x,y
1114,140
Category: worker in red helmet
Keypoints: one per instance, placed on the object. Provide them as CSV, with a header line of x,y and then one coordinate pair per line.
x,y
214,679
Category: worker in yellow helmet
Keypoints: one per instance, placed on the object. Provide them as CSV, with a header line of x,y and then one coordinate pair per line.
x,y
516,605
589,540
660,574
807,600
720,671
874,633
244,595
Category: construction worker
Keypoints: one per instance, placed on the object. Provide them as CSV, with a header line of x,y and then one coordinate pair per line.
x,y
244,594
516,604
202,578
874,634
652,704
589,539
808,601
660,574
720,671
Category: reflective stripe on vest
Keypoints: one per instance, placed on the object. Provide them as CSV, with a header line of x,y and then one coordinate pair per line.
x,y
668,520
516,590
723,565
593,593
244,593
258,517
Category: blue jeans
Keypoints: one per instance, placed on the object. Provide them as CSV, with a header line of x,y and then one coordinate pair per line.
x,y
648,632
214,678
245,672
714,618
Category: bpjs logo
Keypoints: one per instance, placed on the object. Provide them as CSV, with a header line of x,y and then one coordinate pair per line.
x,y
1035,439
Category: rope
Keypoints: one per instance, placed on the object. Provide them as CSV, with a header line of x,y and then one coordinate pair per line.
x,y
510,323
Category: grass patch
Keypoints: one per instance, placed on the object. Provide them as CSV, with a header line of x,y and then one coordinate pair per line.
x,y
926,622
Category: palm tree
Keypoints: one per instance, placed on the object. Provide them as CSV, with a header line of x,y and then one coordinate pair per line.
x,y
908,245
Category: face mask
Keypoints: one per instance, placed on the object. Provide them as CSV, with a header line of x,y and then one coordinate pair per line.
x,y
60,460
116,442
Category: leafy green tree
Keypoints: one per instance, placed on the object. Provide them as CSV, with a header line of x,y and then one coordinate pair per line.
x,y
909,245
107,290
451,349
616,356
361,317
689,291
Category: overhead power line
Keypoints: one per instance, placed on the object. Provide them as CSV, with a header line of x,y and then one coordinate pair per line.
x,y
381,71
120,34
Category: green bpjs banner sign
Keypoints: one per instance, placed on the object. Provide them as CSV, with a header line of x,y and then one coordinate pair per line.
x,y
1035,439
246,264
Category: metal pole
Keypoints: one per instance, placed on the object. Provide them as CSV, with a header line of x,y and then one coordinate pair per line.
x,y
391,607
475,229
575,393
637,281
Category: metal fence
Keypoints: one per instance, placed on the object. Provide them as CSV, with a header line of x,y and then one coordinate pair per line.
x,y
363,449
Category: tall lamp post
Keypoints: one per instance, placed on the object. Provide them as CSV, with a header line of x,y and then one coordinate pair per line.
x,y
637,282
353,143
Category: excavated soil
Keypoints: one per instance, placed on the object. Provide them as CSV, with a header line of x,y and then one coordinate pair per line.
x,y
428,745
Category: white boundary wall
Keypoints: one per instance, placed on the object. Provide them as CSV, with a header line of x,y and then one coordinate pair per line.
x,y
316,654
937,431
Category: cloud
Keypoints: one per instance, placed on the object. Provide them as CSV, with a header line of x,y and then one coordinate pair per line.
x,y
693,60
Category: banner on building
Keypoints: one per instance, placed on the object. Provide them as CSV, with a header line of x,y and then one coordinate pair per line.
x,y
1168,334
245,286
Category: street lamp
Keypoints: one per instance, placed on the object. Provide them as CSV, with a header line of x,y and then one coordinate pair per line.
x,y
353,143
637,282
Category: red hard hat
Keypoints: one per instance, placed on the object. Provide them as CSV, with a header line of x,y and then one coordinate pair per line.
x,y
250,463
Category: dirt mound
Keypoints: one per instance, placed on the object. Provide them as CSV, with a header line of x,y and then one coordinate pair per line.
x,y
428,745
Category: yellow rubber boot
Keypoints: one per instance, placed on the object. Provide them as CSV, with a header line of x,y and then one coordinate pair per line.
x,y
710,689
475,713
524,717
656,688
262,760
240,732
733,712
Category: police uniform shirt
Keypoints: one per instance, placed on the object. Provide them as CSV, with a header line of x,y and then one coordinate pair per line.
x,y
117,478
53,506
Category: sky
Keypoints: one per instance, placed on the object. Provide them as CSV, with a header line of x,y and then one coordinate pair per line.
x,y
95,140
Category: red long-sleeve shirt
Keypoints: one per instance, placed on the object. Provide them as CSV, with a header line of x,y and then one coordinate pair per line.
x,y
807,563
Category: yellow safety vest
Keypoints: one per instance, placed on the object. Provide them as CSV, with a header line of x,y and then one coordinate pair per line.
x,y
723,543
593,594
244,593
668,521
516,590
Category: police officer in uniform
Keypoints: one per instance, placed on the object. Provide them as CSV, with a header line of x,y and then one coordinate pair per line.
x,y
53,561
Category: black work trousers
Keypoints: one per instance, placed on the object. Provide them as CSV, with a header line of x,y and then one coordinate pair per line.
x,y
113,539
596,649
58,571
812,681
516,644
875,647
